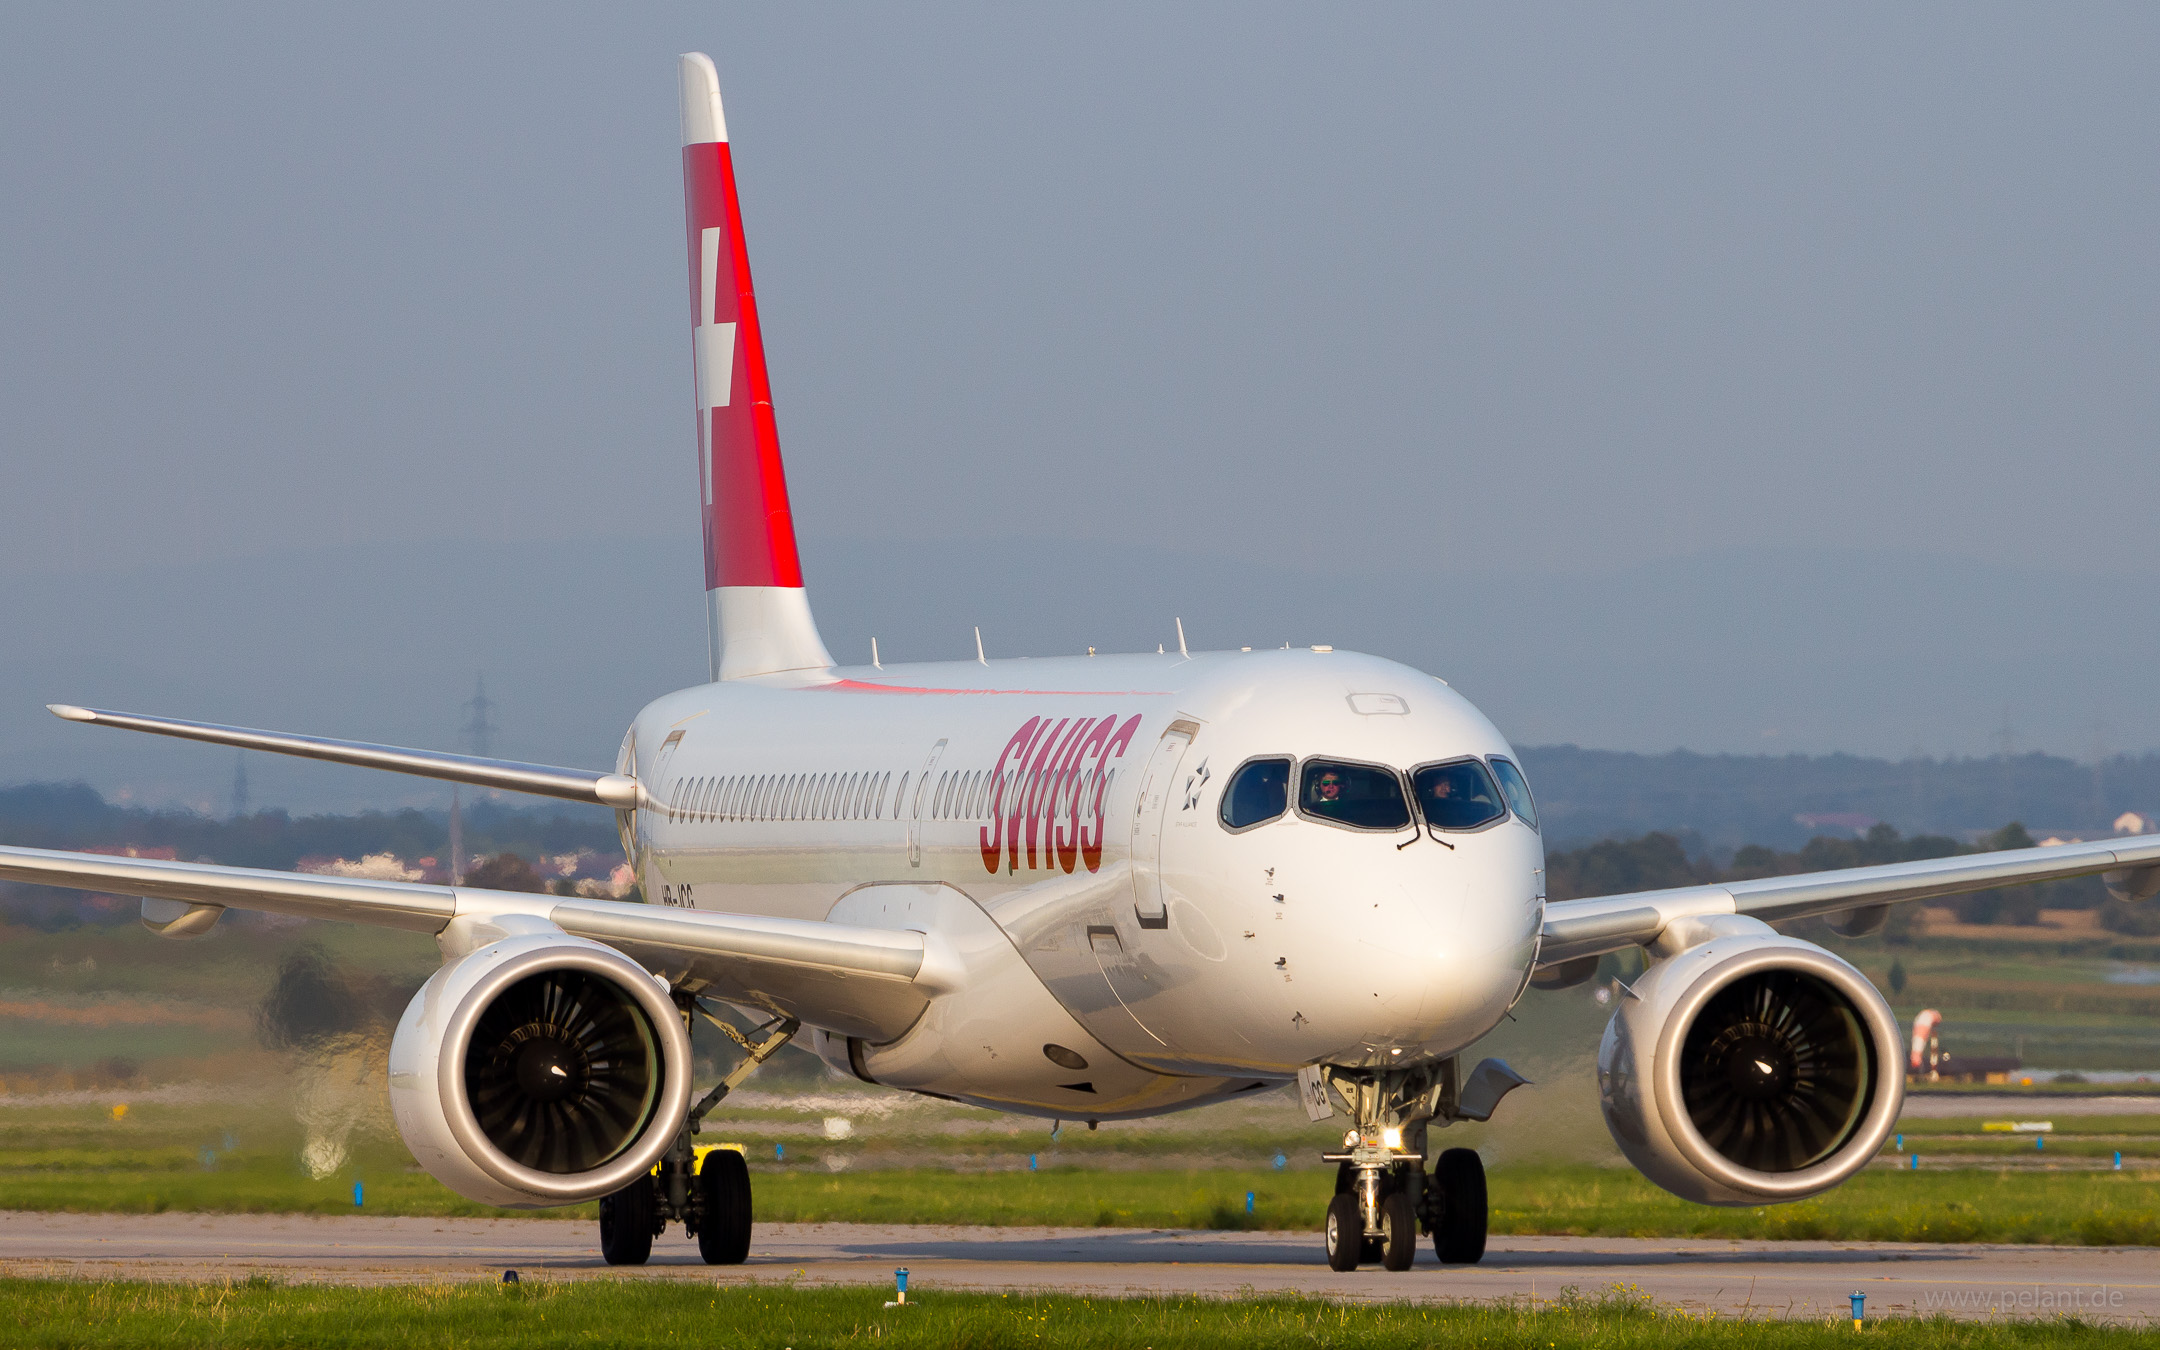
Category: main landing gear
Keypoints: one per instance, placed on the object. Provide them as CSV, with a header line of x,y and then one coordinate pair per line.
x,y
707,1189
1383,1194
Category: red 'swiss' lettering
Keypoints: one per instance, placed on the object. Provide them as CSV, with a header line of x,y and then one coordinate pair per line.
x,y
1036,798
1048,793
993,834
1114,748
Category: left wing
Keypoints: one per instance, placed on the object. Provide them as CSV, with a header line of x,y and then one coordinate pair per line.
x,y
856,981
1575,929
577,785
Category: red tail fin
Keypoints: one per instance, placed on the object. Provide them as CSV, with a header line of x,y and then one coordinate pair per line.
x,y
759,614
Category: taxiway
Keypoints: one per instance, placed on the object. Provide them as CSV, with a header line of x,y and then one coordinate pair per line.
x,y
1776,1279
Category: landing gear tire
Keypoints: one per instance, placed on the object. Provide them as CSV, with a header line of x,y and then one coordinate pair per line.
x,y
626,1224
1459,1233
1398,1232
1345,1232
723,1236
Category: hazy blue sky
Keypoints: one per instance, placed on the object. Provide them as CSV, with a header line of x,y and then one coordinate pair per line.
x,y
1733,377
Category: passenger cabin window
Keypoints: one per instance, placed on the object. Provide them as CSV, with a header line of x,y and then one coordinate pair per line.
x,y
1361,796
1258,792
1458,796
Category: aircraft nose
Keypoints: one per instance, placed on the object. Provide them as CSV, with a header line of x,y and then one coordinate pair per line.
x,y
1463,966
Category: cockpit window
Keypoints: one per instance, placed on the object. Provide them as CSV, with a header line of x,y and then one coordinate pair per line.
x,y
1362,796
1458,796
1517,789
1260,791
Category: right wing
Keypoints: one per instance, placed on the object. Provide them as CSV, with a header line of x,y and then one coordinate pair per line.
x,y
855,981
1578,929
577,785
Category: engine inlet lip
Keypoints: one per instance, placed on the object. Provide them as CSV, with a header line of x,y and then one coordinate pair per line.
x,y
672,1043
1868,1134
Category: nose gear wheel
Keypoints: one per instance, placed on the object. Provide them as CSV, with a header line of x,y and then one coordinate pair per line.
x,y
1383,1195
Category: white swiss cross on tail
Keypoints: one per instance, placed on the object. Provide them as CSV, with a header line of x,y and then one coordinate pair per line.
x,y
760,618
715,341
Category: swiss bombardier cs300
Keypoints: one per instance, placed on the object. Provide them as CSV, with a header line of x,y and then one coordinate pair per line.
x,y
1091,888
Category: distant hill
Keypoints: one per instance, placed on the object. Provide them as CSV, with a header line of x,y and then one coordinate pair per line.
x,y
1784,800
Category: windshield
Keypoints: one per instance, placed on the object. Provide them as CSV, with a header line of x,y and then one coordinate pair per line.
x,y
1517,789
1458,796
1258,792
1361,796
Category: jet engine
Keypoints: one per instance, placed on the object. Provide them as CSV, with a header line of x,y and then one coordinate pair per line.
x,y
1749,1067
541,1069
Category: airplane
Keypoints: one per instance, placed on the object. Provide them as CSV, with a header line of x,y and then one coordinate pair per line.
x,y
1081,888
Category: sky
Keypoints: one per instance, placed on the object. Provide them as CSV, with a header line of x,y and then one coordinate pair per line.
x,y
1745,379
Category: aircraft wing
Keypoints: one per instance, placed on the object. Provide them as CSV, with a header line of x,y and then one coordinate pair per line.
x,y
1575,929
577,785
855,981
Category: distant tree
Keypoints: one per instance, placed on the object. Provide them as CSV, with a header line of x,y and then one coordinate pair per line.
x,y
2130,920
2019,906
504,872
2012,835
1610,866
1752,862
314,1002
1897,977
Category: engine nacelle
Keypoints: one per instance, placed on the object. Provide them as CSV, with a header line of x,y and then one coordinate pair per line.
x,y
541,1069
1750,1068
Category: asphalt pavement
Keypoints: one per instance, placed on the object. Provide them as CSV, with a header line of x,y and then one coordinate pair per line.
x,y
1774,1279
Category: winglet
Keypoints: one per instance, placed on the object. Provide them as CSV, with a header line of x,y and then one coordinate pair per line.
x,y
702,120
70,712
759,615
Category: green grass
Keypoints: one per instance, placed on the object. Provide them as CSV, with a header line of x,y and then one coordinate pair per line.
x,y
2102,1208
240,1184
535,1315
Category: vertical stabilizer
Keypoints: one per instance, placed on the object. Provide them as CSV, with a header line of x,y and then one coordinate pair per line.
x,y
759,615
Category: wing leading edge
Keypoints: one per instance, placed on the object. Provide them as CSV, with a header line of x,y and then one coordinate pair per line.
x,y
1575,929
577,785
855,981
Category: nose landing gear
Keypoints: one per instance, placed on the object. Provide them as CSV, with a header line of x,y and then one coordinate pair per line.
x,y
1383,1194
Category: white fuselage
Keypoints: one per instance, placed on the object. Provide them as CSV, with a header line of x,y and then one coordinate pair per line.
x,y
1061,820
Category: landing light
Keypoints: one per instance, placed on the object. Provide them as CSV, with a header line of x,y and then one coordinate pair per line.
x,y
1391,1138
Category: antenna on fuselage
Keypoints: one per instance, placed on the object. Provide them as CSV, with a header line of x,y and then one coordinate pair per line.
x,y
1181,640
873,655
978,646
